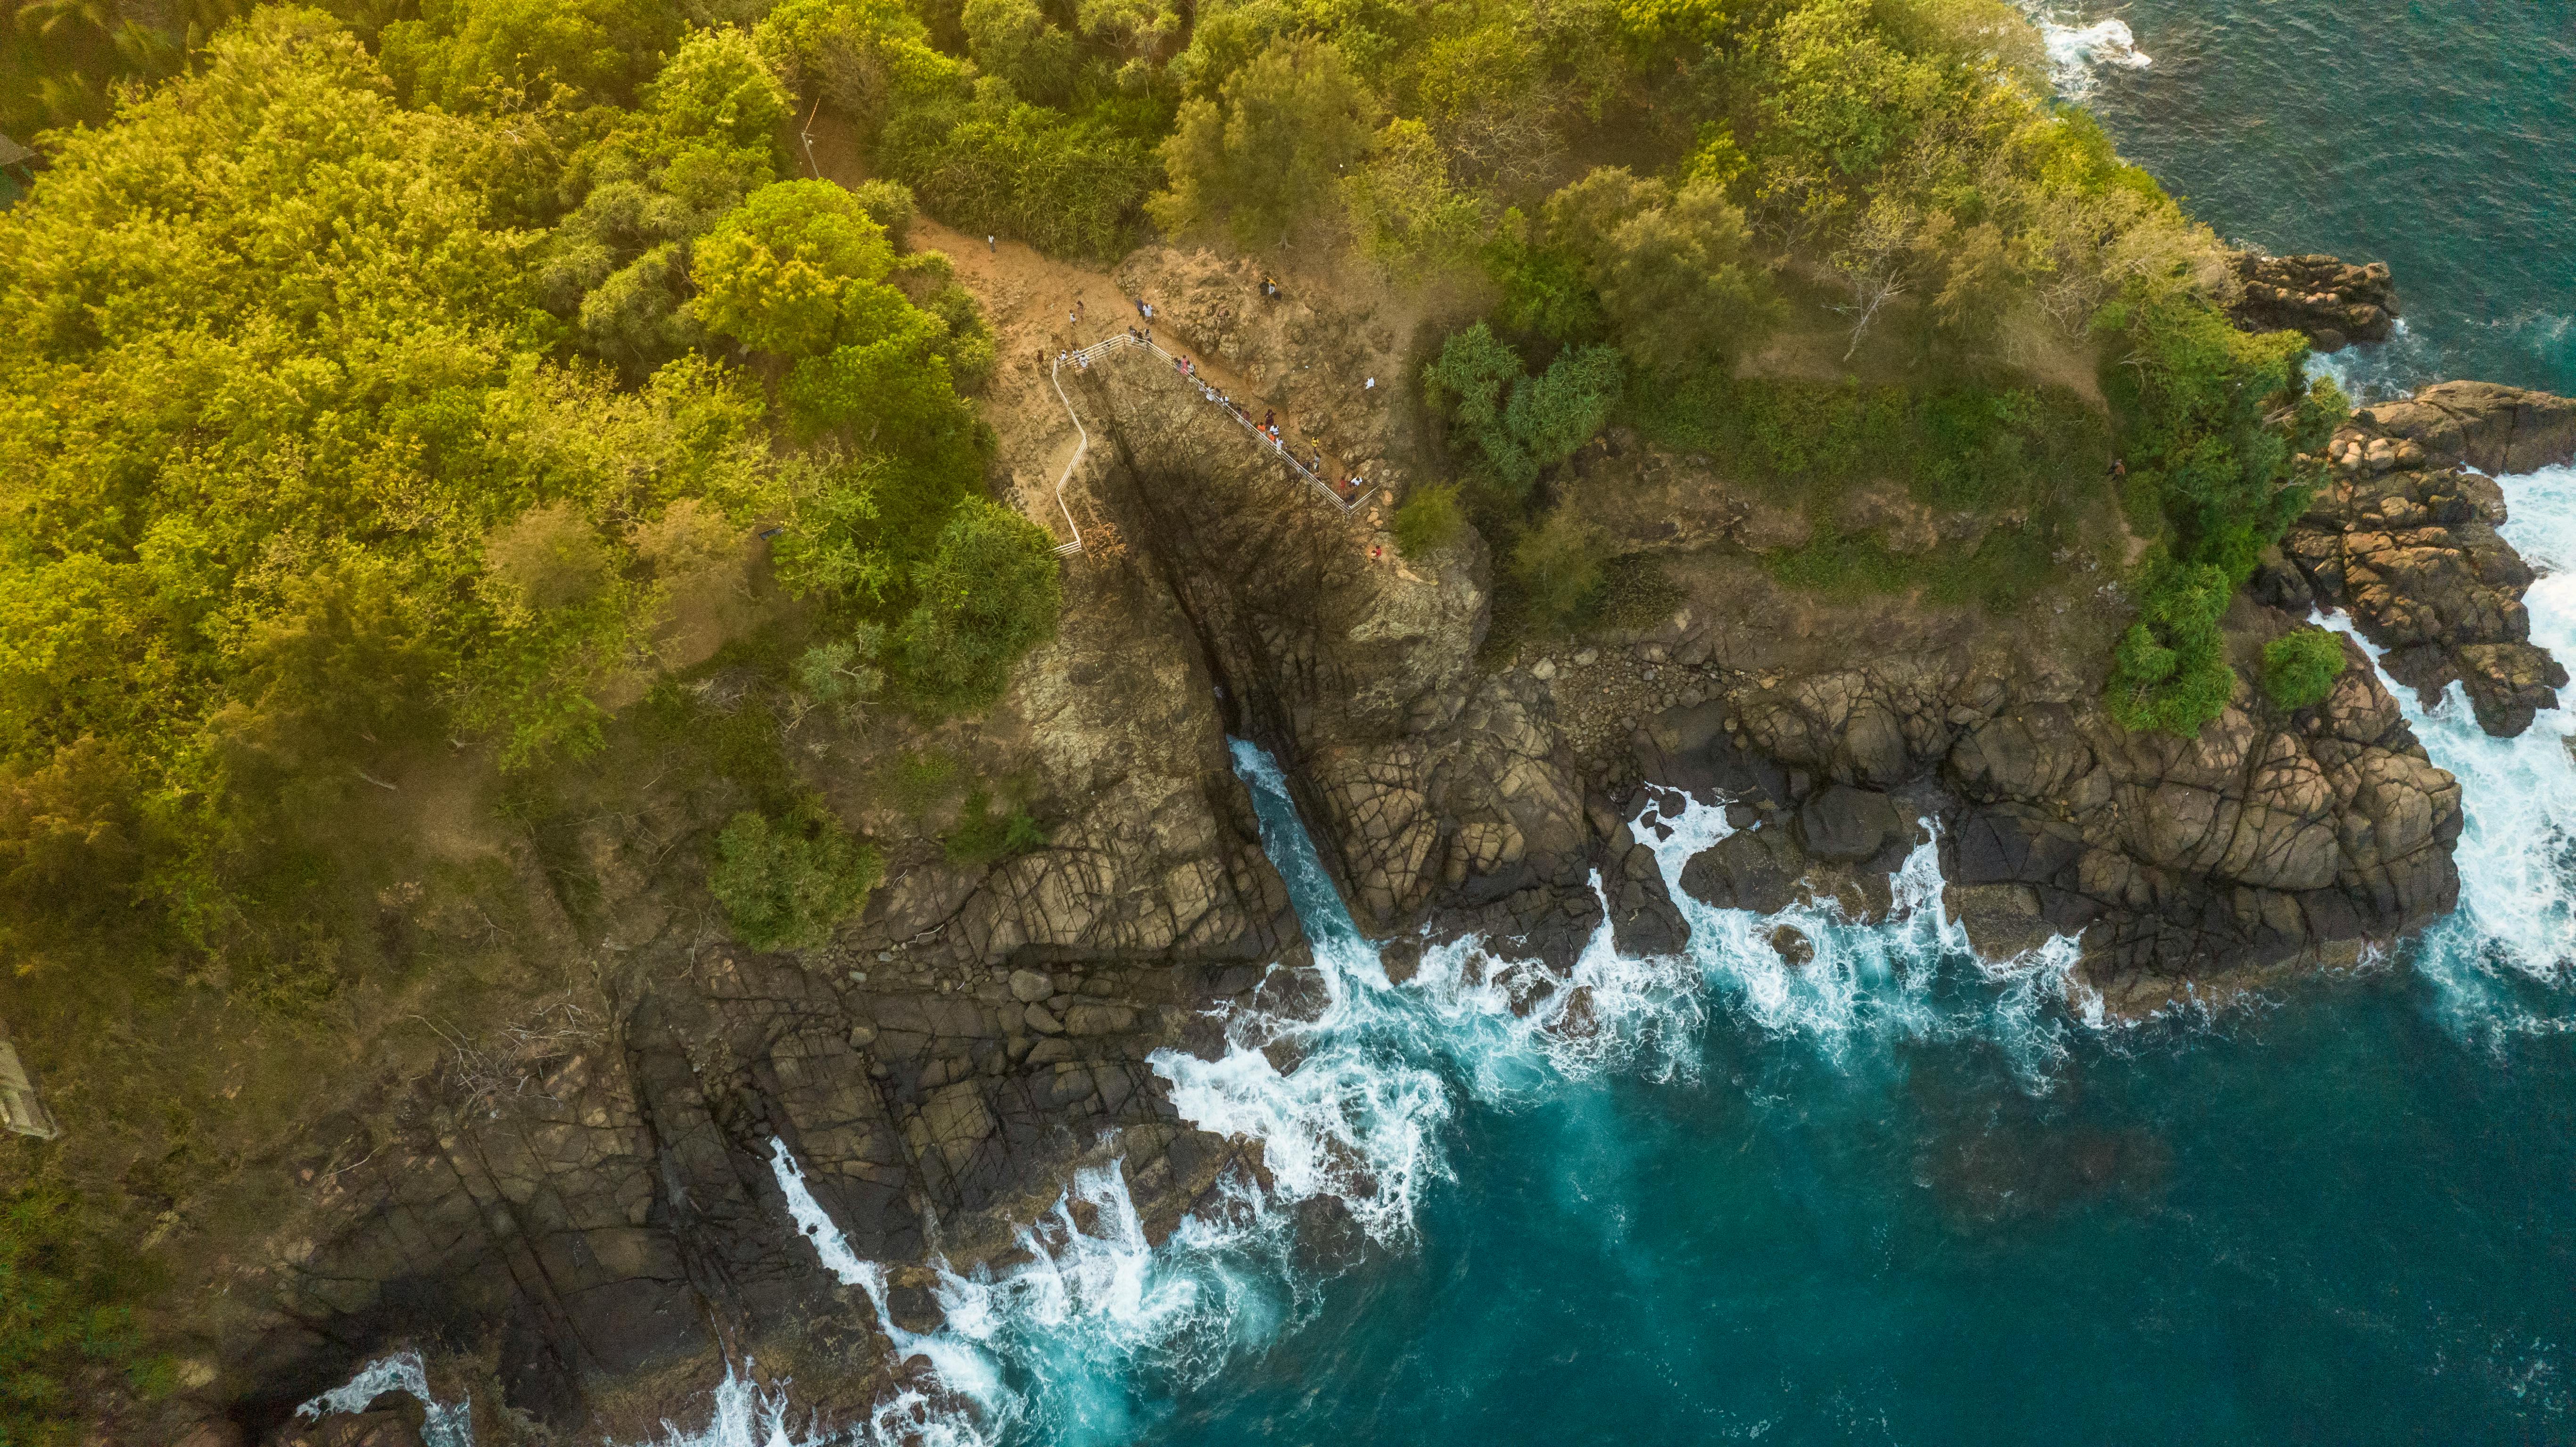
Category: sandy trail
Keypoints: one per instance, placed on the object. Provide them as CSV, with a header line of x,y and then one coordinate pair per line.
x,y
1039,306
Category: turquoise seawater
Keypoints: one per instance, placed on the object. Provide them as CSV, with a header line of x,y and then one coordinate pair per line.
x,y
1906,1195
2438,136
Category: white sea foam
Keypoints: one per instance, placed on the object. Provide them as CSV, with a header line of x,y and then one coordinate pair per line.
x,y
2378,371
2514,933
1349,1102
2078,50
813,1222
1915,974
446,1424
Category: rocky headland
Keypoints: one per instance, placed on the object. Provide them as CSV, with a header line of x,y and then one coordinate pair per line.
x,y
589,1219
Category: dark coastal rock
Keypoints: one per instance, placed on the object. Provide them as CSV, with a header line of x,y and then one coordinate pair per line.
x,y
2494,429
2403,537
1643,919
2264,843
2333,302
1792,946
1759,869
1847,825
393,1427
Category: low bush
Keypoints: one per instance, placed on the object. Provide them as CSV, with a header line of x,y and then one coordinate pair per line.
x,y
985,835
66,1333
785,882
1428,520
2300,669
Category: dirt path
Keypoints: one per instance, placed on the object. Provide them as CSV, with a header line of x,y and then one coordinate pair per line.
x,y
1039,306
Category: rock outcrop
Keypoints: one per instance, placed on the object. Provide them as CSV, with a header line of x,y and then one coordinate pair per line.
x,y
2183,865
2494,429
2403,536
1429,786
604,1199
2333,302
608,1203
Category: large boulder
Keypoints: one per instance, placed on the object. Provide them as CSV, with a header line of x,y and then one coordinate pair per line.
x,y
2495,429
2403,537
2333,302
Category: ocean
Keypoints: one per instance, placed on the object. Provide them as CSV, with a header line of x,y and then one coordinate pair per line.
x,y
2437,137
1907,1195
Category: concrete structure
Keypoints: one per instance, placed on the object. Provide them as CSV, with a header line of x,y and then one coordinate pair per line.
x,y
20,1110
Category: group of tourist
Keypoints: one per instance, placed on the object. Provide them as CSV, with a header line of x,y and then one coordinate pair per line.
x,y
1348,487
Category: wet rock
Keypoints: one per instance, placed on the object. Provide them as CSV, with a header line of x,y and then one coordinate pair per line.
x,y
2494,429
1792,946
2002,920
911,1304
1758,870
394,1427
1401,958
1329,1238
2406,542
2333,302
1846,825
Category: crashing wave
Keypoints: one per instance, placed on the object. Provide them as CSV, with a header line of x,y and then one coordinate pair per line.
x,y
2079,51
1098,1321
445,1424
2502,959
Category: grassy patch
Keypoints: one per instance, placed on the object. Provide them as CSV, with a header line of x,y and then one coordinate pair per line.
x,y
1636,594
988,835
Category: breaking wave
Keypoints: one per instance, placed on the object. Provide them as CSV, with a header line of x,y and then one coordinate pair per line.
x,y
2502,961
2079,50
1349,1103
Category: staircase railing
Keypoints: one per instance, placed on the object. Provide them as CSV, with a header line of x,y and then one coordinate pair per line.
x,y
1242,419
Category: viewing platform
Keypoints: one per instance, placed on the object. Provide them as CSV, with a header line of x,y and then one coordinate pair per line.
x,y
1215,397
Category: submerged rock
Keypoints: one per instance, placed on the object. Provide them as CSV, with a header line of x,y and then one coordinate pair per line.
x,y
1792,946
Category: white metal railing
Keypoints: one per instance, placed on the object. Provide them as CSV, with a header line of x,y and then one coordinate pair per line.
x,y
1215,397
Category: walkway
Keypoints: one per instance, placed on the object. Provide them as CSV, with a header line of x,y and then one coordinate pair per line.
x,y
1228,405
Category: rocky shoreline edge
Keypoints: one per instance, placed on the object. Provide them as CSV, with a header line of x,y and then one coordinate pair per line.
x,y
601,1246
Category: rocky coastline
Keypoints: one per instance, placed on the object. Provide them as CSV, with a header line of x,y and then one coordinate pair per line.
x,y
609,1234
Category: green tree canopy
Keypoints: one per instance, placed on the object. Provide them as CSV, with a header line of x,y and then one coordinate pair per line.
x,y
1273,149
797,269
278,410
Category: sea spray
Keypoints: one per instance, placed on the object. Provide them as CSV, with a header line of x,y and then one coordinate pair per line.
x,y
1074,1344
2078,49
1080,1342
2502,961
1914,974
444,1424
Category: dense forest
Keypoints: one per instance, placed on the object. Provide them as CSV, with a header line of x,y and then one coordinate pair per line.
x,y
387,379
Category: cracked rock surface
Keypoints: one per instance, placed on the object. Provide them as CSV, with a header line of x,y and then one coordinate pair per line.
x,y
2403,536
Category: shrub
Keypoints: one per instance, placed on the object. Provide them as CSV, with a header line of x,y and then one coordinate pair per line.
x,y
989,596
995,165
1427,520
889,204
785,883
1272,151
2300,669
2170,670
984,836
1523,424
1558,566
